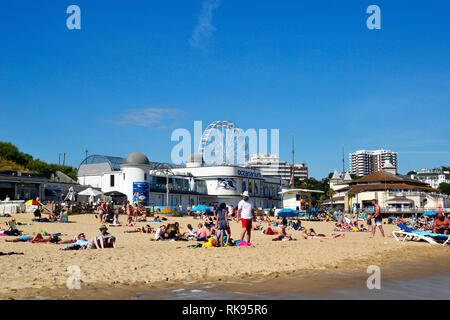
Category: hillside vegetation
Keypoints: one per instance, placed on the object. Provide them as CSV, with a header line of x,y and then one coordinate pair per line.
x,y
12,159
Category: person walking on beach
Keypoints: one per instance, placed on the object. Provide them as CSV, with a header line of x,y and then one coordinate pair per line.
x,y
378,219
246,213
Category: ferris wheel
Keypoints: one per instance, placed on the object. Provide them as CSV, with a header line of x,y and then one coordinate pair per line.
x,y
223,128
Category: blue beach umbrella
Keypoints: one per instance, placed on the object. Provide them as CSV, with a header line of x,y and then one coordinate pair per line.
x,y
201,208
429,213
288,213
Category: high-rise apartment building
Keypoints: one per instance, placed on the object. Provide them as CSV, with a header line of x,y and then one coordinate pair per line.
x,y
271,166
365,162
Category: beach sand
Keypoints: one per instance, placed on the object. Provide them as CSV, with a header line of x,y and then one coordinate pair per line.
x,y
137,261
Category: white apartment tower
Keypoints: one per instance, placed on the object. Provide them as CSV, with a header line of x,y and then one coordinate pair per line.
x,y
365,162
271,166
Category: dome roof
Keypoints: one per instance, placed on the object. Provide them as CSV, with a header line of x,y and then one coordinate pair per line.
x,y
136,158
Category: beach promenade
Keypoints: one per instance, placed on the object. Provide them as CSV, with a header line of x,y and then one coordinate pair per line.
x,y
138,261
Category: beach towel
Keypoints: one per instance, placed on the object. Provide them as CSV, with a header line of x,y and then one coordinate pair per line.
x,y
244,244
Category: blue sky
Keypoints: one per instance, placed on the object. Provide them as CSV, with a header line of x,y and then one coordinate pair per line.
x,y
139,69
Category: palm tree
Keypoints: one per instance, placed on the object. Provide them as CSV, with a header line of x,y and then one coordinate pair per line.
x,y
330,193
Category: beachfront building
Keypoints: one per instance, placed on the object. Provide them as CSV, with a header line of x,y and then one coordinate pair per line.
x,y
365,162
136,179
394,193
298,199
20,186
16,187
433,177
270,166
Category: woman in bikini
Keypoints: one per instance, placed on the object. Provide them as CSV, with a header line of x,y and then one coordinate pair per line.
x,y
311,234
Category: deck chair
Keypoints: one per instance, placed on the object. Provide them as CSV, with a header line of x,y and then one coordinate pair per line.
x,y
409,234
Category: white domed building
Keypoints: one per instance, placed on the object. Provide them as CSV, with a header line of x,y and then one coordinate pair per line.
x,y
136,179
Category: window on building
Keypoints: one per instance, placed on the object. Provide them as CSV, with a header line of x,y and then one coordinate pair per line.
x,y
111,180
145,176
297,197
124,176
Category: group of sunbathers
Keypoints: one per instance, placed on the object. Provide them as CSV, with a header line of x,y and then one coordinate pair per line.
x,y
102,240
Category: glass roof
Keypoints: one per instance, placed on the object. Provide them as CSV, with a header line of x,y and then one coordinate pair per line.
x,y
114,162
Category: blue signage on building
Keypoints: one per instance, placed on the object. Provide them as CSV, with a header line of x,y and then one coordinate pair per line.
x,y
248,174
141,192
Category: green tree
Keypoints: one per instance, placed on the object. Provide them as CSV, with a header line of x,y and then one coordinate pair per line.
x,y
444,188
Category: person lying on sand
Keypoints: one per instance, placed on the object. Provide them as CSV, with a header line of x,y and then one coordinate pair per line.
x,y
103,239
36,239
311,234
146,229
269,231
79,243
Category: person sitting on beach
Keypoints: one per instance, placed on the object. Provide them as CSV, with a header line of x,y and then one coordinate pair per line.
x,y
103,239
201,233
12,228
191,233
441,225
211,230
116,222
160,233
282,230
311,234
130,222
143,218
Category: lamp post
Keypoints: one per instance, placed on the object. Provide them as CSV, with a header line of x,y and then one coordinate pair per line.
x,y
167,188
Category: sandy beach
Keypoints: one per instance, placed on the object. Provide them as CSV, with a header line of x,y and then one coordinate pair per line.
x,y
138,261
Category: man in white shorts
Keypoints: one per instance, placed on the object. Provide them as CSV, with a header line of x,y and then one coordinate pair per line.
x,y
378,219
246,213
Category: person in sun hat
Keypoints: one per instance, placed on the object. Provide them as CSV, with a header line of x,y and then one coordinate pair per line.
x,y
104,239
246,213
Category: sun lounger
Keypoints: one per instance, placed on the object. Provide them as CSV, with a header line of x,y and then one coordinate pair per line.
x,y
410,234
